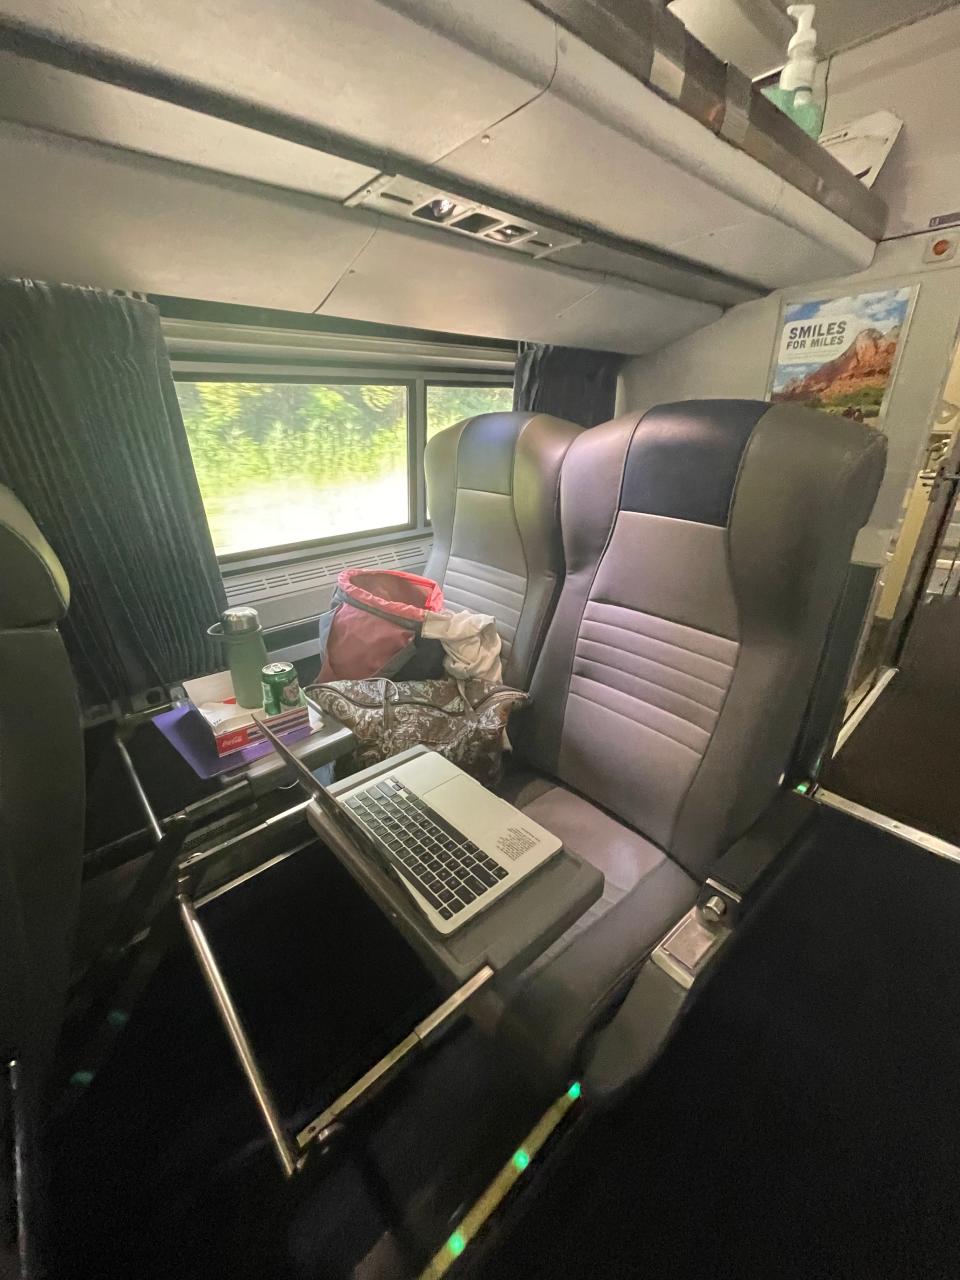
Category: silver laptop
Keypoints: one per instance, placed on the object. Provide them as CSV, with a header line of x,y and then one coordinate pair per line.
x,y
455,846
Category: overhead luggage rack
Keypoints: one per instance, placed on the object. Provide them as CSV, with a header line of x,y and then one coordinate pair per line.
x,y
578,174
651,43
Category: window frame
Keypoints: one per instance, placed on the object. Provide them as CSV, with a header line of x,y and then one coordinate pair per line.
x,y
415,383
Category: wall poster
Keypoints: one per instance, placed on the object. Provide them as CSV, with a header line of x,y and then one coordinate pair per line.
x,y
840,354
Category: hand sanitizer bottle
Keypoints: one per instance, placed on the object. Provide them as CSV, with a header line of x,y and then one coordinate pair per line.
x,y
794,94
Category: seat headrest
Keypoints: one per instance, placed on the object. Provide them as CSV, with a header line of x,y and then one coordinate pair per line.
x,y
709,462
690,461
33,586
486,450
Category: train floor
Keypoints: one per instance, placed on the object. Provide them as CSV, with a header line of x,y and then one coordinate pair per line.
x,y
901,760
804,1122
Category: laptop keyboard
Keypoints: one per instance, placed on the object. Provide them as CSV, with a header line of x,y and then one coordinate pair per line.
x,y
446,868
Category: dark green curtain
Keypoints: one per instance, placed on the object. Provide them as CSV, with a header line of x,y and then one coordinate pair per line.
x,y
580,386
93,444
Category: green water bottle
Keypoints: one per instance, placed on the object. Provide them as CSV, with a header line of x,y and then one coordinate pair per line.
x,y
240,633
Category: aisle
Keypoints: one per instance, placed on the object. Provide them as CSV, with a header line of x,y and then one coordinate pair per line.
x,y
804,1124
901,760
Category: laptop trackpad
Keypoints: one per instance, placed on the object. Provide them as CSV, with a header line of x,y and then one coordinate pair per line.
x,y
496,826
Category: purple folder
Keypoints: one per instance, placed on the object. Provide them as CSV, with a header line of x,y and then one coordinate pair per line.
x,y
187,731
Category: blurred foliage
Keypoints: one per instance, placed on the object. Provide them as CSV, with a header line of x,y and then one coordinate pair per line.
x,y
261,432
447,405
245,433
252,440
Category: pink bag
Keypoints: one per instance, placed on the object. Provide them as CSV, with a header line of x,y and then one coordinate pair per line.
x,y
374,626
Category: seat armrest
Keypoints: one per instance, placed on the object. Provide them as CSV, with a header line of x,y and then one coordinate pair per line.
x,y
738,873
555,1006
648,1016
553,1010
636,1036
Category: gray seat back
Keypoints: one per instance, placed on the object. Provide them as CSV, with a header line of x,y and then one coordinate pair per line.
x,y
41,792
493,486
706,547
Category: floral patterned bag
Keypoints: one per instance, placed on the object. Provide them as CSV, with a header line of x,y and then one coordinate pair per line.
x,y
463,720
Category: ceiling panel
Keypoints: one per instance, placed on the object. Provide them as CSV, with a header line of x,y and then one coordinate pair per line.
x,y
61,101
89,215
604,260
94,215
409,277
416,76
493,100
428,280
629,170
761,248
621,317
522,157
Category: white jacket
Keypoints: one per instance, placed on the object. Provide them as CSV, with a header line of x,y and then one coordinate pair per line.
x,y
470,642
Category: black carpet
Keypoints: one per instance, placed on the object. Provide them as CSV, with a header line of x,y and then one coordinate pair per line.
x,y
901,760
805,1121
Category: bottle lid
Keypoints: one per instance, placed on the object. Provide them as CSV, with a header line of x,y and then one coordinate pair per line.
x,y
241,618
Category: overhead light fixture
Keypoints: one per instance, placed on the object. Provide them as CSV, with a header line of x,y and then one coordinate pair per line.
x,y
440,209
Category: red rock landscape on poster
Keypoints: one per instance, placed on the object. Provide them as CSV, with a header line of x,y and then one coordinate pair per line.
x,y
857,376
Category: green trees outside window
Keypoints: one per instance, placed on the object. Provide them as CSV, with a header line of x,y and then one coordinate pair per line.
x,y
292,462
447,405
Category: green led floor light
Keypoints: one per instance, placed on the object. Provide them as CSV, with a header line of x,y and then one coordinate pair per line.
x,y
519,1162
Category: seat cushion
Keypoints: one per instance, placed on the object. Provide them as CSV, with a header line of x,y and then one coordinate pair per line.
x,y
624,856
630,863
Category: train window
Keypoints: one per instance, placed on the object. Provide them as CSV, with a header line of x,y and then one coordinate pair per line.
x,y
291,462
447,404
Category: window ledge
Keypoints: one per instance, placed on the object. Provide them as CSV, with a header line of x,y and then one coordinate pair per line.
x,y
296,591
295,558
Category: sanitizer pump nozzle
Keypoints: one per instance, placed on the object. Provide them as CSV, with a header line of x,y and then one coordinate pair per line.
x,y
794,94
801,66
